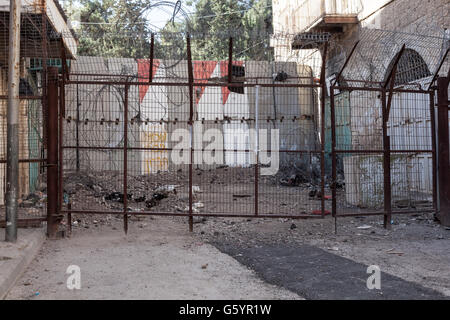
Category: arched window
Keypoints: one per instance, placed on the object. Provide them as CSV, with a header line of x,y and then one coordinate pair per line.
x,y
411,67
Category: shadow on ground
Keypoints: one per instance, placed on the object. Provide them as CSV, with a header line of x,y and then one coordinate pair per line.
x,y
314,273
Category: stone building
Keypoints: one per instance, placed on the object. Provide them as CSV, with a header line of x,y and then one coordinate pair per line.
x,y
382,27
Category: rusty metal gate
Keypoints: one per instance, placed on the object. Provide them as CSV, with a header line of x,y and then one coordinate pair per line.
x,y
383,135
243,138
125,124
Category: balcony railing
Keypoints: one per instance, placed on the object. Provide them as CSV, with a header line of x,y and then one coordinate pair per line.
x,y
312,13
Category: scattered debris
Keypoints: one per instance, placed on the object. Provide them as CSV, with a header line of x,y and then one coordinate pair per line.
x,y
364,227
117,197
156,198
198,205
167,189
312,193
196,189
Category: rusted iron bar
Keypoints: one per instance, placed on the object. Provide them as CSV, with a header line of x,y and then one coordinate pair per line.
x,y
152,56
444,158
216,215
125,161
436,74
345,64
392,77
191,120
62,102
410,151
195,84
386,166
23,97
322,121
245,215
394,66
333,155
203,150
230,61
77,132
257,151
27,161
52,151
117,77
433,145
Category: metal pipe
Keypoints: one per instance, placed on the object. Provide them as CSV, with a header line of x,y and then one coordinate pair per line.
x,y
197,84
322,125
386,165
217,215
443,142
433,145
52,151
333,157
62,102
191,124
345,64
436,74
152,55
125,161
256,150
12,174
77,132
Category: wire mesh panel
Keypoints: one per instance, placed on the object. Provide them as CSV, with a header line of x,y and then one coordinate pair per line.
x,y
187,132
364,183
358,142
40,45
173,135
410,130
93,157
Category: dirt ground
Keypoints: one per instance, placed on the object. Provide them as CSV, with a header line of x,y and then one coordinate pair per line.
x,y
159,259
416,249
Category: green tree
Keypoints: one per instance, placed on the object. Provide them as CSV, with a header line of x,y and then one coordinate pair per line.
x,y
249,22
119,28
113,28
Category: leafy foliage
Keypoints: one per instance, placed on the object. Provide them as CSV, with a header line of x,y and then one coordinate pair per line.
x,y
113,28
119,28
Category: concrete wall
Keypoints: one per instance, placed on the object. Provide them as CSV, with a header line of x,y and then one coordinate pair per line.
x,y
160,110
101,117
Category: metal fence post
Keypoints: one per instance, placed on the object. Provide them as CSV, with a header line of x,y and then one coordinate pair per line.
x,y
257,150
12,185
443,140
52,153
386,164
323,96
125,160
333,157
191,126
